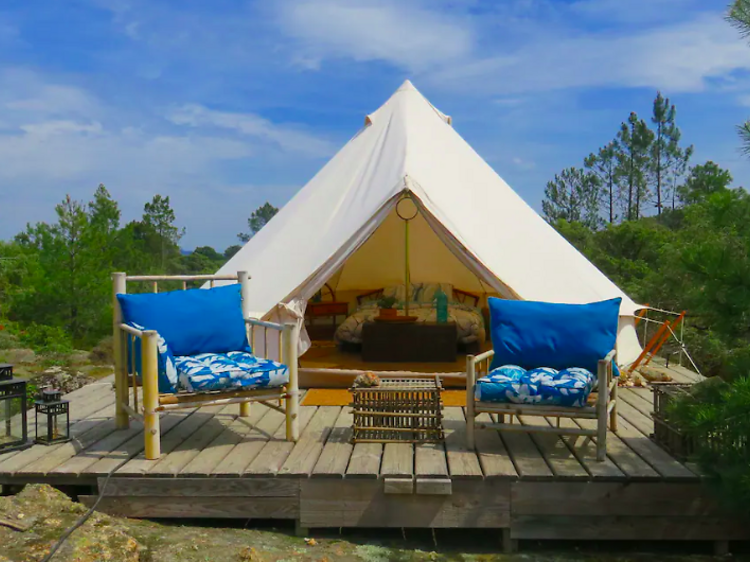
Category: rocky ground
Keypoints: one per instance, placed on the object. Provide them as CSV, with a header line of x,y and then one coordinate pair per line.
x,y
32,521
66,372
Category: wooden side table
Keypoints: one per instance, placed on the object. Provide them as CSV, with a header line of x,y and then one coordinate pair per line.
x,y
409,341
398,410
318,310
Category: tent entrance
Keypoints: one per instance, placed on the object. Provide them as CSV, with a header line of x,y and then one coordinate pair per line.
x,y
378,264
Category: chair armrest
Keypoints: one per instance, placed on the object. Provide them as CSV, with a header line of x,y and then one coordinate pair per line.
x,y
603,372
263,324
135,331
471,365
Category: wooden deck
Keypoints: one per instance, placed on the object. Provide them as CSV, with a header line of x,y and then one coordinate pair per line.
x,y
215,464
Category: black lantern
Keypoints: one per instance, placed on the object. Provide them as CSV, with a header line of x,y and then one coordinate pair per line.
x,y
52,418
13,429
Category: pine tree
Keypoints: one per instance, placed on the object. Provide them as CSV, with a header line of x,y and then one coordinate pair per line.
x,y
704,180
604,165
677,165
258,220
739,17
634,140
663,117
160,218
573,195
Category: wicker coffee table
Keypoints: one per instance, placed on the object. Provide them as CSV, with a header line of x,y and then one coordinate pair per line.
x,y
399,410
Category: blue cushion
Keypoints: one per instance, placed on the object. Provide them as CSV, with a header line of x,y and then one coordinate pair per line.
x,y
192,321
534,334
543,385
237,369
167,372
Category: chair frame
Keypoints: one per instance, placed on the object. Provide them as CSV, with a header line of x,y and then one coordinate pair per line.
x,y
604,409
126,384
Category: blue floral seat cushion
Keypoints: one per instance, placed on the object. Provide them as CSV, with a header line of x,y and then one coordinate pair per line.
x,y
232,370
513,384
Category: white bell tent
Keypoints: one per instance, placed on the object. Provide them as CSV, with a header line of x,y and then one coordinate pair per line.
x,y
472,230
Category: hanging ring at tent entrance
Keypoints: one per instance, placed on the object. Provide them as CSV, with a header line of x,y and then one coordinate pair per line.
x,y
402,210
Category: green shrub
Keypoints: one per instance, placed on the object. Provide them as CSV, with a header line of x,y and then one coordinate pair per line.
x,y
8,340
46,339
716,415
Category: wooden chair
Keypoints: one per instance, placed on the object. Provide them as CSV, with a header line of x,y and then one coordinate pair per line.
x,y
153,402
604,406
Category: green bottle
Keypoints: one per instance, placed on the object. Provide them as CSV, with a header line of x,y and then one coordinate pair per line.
x,y
441,306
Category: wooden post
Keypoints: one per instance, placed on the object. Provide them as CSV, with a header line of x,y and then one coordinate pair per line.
x,y
291,335
119,350
470,382
245,298
601,411
150,368
613,399
509,545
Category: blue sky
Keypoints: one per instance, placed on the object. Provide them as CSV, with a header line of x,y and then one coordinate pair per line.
x,y
226,104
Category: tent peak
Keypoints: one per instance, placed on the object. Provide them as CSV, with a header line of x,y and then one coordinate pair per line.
x,y
407,85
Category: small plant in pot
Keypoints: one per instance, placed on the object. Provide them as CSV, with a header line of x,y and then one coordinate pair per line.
x,y
387,307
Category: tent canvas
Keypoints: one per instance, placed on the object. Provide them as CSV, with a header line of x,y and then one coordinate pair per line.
x,y
473,229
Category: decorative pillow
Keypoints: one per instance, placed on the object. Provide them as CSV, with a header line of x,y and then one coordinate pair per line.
x,y
532,334
543,385
236,369
192,321
167,372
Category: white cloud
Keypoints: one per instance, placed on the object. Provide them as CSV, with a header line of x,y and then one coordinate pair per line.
x,y
407,34
57,139
27,94
252,125
682,57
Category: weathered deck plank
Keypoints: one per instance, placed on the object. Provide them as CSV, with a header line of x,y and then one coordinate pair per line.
x,y
559,457
462,462
307,450
493,456
78,464
210,457
23,459
654,455
139,465
584,448
398,460
172,463
642,421
365,460
623,456
118,456
430,460
526,457
274,453
335,456
240,457
641,399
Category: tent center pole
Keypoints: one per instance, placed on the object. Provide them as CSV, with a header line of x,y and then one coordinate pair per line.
x,y
407,283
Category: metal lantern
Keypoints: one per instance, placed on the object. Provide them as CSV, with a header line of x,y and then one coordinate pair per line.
x,y
52,418
13,428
